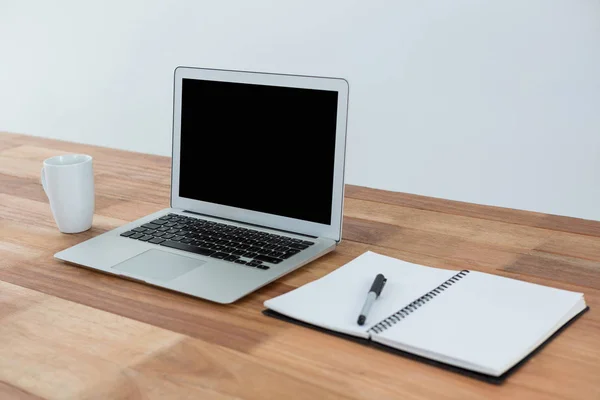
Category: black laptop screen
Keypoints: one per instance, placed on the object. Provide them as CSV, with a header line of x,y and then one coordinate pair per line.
x,y
261,148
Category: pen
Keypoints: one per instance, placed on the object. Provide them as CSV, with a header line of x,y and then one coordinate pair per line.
x,y
373,294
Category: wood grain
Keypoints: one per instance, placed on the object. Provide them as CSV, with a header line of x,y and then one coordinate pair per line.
x,y
518,217
67,332
10,392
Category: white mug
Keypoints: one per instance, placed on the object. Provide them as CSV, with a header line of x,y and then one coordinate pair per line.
x,y
68,181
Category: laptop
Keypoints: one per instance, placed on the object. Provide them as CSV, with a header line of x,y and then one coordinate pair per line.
x,y
257,187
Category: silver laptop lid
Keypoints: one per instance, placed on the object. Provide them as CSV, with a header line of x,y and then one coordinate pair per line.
x,y
266,149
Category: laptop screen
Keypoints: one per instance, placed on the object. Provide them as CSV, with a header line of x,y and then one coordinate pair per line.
x,y
262,148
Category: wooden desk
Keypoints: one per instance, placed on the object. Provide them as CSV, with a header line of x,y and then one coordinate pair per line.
x,y
66,332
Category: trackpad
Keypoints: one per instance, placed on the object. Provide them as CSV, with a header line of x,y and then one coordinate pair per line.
x,y
158,265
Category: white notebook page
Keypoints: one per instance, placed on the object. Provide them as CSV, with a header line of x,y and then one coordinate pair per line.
x,y
484,322
335,301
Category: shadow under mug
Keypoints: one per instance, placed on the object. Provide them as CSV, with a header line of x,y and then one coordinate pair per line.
x,y
68,181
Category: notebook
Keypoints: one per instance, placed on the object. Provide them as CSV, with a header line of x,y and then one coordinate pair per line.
x,y
473,322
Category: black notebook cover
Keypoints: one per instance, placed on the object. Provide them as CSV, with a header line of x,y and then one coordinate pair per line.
x,y
477,375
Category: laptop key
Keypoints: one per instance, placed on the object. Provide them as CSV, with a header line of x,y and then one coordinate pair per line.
x,y
240,262
150,226
168,235
260,266
158,222
231,258
289,254
272,260
187,247
145,238
139,229
156,240
176,238
298,246
136,236
219,255
163,229
128,233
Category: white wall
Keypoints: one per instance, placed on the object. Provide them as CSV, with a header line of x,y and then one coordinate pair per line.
x,y
493,102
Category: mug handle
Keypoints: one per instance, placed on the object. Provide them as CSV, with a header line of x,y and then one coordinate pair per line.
x,y
43,179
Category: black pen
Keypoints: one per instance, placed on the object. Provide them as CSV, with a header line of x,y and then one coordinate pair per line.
x,y
373,294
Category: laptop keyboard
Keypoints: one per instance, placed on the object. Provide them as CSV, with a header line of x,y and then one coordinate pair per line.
x,y
230,243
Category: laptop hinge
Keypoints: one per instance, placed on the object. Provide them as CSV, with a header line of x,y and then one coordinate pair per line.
x,y
249,224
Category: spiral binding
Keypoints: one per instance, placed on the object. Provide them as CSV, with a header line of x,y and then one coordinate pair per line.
x,y
409,309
